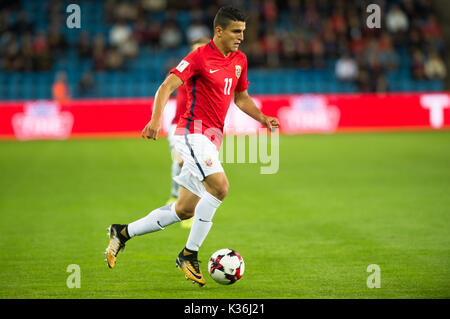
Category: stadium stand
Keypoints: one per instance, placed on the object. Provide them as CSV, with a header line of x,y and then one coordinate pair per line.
x,y
125,48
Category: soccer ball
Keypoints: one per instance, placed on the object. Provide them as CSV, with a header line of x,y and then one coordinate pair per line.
x,y
226,266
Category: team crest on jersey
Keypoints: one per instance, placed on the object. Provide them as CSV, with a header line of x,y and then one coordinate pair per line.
x,y
238,70
208,162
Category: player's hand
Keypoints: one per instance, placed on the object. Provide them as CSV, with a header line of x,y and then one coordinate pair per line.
x,y
270,122
151,130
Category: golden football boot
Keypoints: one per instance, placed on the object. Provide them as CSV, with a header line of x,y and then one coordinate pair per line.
x,y
187,261
118,235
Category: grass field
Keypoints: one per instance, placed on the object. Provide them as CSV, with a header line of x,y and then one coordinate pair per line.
x,y
337,204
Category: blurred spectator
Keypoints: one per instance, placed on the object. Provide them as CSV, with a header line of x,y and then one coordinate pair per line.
x,y
255,55
154,5
357,43
280,34
125,11
396,20
43,58
119,33
330,41
124,43
113,59
109,11
211,11
271,49
99,59
415,41
27,52
409,8
303,52
270,11
22,25
312,20
386,53
354,26
86,85
431,27
155,30
382,85
4,21
12,60
338,22
84,46
40,42
372,60
130,49
318,53
99,52
435,67
57,42
197,30
418,65
346,68
142,32
171,36
288,49
54,9
293,7
373,65
363,82
60,89
424,7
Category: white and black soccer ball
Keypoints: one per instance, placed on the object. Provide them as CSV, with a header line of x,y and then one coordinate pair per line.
x,y
226,266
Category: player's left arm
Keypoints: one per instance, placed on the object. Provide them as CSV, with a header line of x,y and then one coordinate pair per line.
x,y
245,103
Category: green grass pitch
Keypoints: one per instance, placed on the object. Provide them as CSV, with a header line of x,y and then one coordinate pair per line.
x,y
338,204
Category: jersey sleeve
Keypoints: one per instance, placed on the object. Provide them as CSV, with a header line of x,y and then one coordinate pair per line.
x,y
243,83
187,67
181,103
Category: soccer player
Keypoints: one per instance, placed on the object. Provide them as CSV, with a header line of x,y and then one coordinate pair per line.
x,y
212,74
177,160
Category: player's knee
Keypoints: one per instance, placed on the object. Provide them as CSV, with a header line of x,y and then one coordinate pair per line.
x,y
220,191
183,211
217,185
224,191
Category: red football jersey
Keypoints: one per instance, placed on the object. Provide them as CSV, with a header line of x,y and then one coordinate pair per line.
x,y
210,79
181,103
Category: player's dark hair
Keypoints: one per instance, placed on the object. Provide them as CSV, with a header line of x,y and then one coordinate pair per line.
x,y
227,14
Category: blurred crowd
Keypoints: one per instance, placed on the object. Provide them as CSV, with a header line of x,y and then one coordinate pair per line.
x,y
305,34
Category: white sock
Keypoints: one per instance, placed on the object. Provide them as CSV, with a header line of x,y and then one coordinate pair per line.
x,y
156,220
204,212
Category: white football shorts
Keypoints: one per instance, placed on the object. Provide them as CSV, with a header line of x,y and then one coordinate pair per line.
x,y
201,159
171,135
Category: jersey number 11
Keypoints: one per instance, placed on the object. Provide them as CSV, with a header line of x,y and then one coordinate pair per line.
x,y
227,88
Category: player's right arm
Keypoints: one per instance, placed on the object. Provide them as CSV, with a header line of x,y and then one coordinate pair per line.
x,y
153,127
